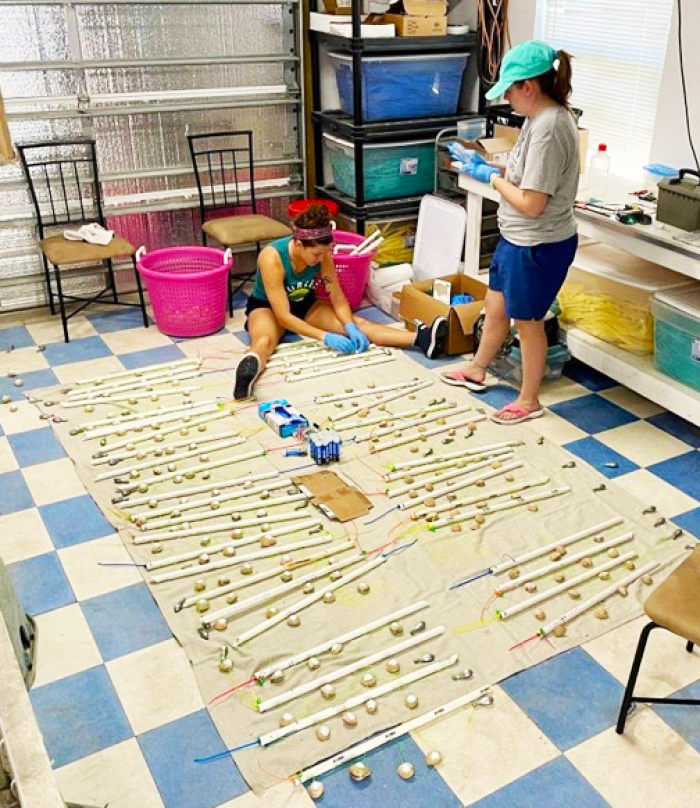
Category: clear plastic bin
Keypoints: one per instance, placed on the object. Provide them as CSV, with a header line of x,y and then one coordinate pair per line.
x,y
390,169
402,86
608,293
510,367
471,128
677,334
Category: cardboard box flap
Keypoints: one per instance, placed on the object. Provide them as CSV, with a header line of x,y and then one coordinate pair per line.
x,y
465,316
419,8
334,496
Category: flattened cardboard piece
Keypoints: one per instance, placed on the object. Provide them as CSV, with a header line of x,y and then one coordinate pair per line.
x,y
334,496
418,17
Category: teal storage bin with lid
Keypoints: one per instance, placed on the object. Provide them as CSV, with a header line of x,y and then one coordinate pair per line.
x,y
390,169
677,334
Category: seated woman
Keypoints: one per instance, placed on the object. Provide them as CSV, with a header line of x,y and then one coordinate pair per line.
x,y
283,300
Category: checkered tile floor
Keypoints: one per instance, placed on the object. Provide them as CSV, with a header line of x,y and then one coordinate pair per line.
x,y
117,702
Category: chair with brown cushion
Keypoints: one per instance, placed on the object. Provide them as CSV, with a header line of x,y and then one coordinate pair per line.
x,y
65,188
675,606
225,176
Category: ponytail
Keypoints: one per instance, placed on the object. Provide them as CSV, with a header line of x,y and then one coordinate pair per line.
x,y
556,83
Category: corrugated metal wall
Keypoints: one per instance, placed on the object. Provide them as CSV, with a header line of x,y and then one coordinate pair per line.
x,y
139,76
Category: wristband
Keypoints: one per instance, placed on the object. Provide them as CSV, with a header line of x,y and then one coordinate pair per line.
x,y
492,179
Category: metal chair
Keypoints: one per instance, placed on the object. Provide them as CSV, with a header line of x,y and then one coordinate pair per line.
x,y
675,606
225,176
65,188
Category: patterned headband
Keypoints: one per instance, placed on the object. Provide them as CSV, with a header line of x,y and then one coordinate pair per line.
x,y
313,233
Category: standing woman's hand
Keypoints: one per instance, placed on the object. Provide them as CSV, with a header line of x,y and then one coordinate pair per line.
x,y
479,169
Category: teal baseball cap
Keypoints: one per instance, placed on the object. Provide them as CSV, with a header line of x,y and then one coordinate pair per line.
x,y
525,61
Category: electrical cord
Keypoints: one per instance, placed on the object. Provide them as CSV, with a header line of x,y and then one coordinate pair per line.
x,y
679,4
493,20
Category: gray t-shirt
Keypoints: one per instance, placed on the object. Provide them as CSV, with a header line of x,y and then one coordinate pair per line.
x,y
544,158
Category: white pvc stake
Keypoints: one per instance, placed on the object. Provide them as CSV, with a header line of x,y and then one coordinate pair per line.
x,y
328,398
595,599
438,430
358,363
447,475
460,484
298,344
336,360
298,356
586,575
121,400
356,250
493,454
124,386
137,424
465,501
148,538
370,247
341,639
390,734
300,605
340,673
146,416
398,470
369,404
540,551
101,460
564,562
139,371
501,506
428,418
397,416
278,549
358,700
249,580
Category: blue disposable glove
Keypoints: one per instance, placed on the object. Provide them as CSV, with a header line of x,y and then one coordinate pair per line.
x,y
359,340
337,342
479,169
459,153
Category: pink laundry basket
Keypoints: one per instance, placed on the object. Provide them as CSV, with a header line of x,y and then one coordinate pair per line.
x,y
187,287
353,270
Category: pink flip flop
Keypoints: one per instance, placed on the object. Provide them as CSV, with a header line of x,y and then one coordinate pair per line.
x,y
520,414
458,379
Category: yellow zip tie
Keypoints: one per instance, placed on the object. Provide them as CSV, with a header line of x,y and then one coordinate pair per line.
x,y
477,625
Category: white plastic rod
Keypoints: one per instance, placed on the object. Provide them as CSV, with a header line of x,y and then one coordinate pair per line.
x,y
526,499
305,354
298,344
493,454
358,363
100,460
473,480
367,243
564,562
279,549
122,400
427,418
125,385
328,398
446,475
304,603
331,359
370,247
249,580
438,430
214,549
279,591
540,551
340,673
201,489
586,575
137,421
140,371
227,443
397,416
148,538
595,599
465,501
369,404
402,468
391,734
341,639
358,700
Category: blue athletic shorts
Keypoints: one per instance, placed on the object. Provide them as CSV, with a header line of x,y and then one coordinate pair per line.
x,y
530,277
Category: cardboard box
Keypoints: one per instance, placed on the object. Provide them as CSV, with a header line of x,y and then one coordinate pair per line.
x,y
338,6
418,17
417,303
372,26
503,134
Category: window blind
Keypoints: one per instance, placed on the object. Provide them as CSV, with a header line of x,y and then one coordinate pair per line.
x,y
619,50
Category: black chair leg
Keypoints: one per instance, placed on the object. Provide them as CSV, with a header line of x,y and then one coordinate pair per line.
x,y
634,672
112,280
689,647
61,303
49,291
139,287
230,294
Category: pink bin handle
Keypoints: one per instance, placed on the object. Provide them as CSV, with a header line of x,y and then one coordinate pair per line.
x,y
140,252
228,256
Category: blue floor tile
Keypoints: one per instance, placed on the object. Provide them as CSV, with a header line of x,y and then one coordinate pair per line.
x,y
678,427
73,521
35,446
431,364
79,715
682,472
77,350
105,322
41,584
683,717
587,376
690,521
32,380
555,785
497,396
169,752
375,315
125,620
17,337
597,454
593,414
152,356
570,697
384,788
14,494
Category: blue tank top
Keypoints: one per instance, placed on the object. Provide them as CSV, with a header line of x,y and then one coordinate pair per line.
x,y
297,285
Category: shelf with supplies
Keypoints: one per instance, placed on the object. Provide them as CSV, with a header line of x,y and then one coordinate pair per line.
x,y
397,44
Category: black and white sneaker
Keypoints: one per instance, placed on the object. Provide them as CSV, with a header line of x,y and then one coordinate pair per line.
x,y
247,372
431,338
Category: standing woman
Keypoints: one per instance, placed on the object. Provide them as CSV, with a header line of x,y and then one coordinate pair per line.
x,y
535,218
283,300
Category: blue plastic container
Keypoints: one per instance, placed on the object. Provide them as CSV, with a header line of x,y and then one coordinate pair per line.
x,y
390,169
396,87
